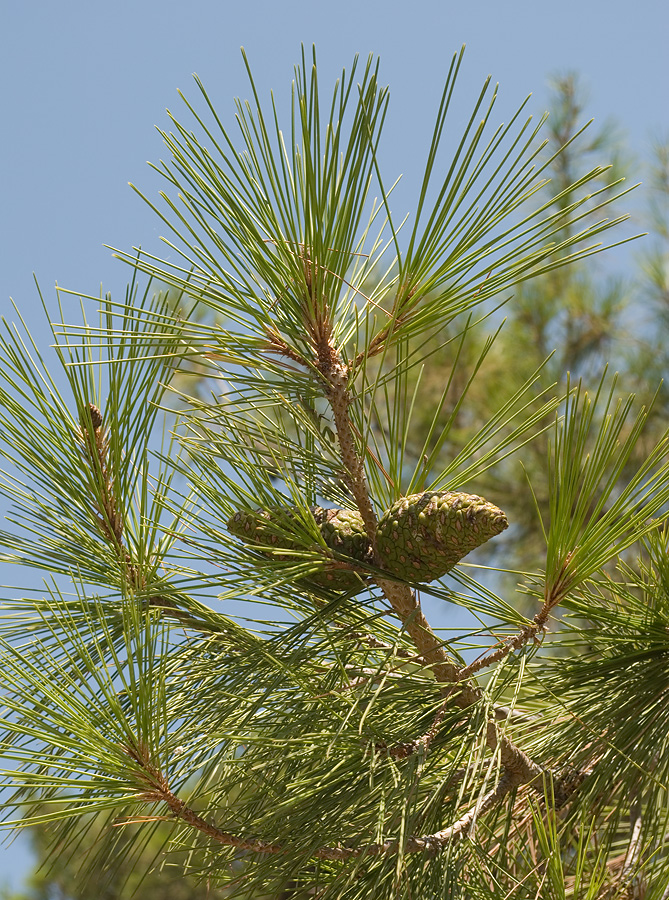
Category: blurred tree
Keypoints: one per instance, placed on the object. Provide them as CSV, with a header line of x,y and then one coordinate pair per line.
x,y
650,363
108,863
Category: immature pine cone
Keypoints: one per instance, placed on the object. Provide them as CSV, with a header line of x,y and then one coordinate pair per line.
x,y
422,536
342,530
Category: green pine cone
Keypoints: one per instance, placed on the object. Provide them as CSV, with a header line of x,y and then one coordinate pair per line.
x,y
342,530
422,536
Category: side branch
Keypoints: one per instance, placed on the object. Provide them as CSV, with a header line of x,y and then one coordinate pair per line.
x,y
553,595
526,634
95,440
155,789
108,517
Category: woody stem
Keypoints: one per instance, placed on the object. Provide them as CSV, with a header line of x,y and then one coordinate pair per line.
x,y
400,596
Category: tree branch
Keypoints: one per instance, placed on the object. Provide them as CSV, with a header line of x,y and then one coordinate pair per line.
x,y
553,595
155,789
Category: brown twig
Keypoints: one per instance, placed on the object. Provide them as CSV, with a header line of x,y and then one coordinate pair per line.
x,y
155,789
554,593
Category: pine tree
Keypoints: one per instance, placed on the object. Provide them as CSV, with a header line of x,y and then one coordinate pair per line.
x,y
231,639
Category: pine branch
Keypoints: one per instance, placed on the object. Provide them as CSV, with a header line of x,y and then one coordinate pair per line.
x,y
401,597
316,706
155,789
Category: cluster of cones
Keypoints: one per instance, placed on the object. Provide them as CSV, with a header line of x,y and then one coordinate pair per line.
x,y
419,539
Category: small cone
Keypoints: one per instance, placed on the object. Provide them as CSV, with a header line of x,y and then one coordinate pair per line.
x,y
342,531
422,536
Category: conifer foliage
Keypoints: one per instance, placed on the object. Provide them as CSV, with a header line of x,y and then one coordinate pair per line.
x,y
230,638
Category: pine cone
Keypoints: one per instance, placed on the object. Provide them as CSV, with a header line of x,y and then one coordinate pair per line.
x,y
422,536
342,530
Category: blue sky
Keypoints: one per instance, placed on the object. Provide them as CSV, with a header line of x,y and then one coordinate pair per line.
x,y
84,83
